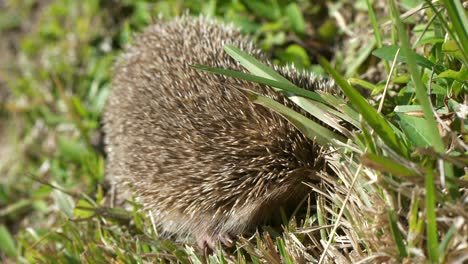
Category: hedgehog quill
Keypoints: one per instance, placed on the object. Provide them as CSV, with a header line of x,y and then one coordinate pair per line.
x,y
202,159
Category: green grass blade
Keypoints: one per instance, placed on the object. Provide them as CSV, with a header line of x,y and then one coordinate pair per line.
x,y
365,84
415,223
431,225
384,164
253,65
350,114
311,129
323,113
321,220
376,29
444,244
289,87
374,24
397,237
284,251
373,118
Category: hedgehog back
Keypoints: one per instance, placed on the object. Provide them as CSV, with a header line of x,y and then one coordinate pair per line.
x,y
190,145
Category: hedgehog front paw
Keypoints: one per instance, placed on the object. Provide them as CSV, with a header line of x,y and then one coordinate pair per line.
x,y
207,243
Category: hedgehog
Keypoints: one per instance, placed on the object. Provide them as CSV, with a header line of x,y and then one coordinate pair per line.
x,y
205,161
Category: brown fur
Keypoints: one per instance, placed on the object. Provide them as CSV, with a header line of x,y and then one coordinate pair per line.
x,y
202,158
